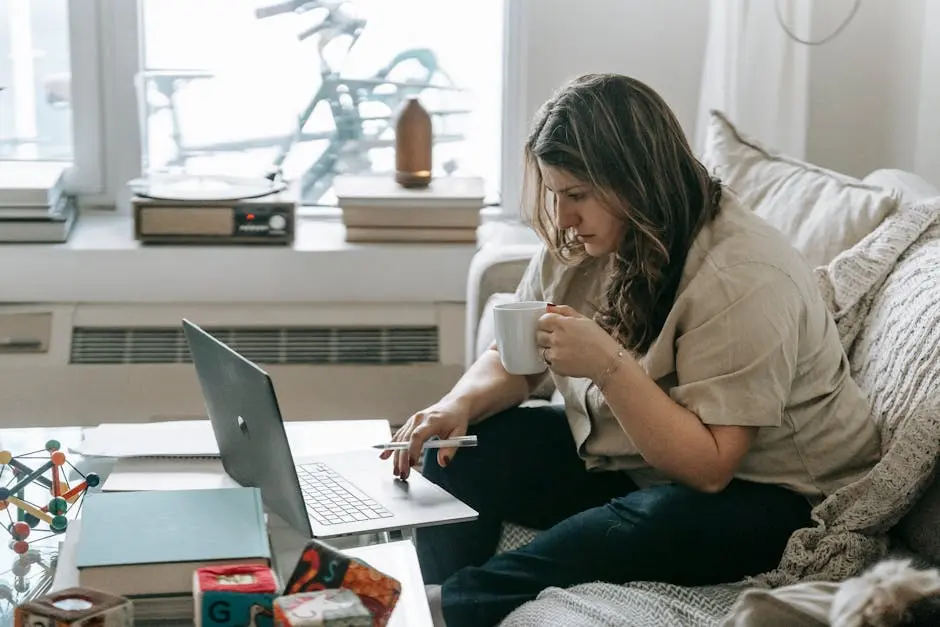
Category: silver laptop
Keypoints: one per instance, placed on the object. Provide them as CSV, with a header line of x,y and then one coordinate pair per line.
x,y
322,497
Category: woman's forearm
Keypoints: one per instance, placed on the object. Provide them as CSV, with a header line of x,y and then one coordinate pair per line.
x,y
670,438
486,388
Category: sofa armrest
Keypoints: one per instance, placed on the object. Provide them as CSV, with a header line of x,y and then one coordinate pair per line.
x,y
494,269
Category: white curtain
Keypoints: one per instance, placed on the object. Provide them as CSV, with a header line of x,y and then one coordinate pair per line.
x,y
755,73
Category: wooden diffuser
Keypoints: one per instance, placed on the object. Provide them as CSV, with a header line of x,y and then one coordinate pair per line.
x,y
413,139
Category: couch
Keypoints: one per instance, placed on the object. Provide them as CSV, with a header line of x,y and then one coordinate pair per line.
x,y
845,227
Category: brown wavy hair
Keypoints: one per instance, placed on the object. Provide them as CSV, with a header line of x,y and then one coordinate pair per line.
x,y
619,136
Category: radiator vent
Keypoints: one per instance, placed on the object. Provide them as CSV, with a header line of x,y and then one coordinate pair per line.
x,y
270,345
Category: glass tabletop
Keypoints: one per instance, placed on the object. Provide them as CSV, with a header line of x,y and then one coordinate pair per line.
x,y
34,518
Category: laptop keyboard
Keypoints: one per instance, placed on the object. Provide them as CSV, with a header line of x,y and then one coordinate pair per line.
x,y
332,500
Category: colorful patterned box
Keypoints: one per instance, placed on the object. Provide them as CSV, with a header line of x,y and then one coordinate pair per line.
x,y
236,594
322,567
76,607
323,608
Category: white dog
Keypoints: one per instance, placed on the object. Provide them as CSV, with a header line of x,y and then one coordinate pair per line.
x,y
889,594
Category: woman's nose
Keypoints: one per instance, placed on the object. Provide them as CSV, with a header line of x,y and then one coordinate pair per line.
x,y
567,217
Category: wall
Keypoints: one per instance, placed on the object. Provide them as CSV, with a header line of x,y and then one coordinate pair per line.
x,y
872,102
658,42
865,85
927,155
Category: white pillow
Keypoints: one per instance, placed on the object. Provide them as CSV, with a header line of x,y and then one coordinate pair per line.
x,y
822,212
911,187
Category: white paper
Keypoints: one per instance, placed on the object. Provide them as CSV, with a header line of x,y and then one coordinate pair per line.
x,y
181,438
142,474
195,439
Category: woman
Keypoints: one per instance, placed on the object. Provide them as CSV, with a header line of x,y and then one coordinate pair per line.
x,y
707,398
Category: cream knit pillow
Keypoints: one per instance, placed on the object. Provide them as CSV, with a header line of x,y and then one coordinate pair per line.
x,y
820,211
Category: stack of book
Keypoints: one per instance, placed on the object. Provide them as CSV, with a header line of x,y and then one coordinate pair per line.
x,y
146,545
33,204
377,209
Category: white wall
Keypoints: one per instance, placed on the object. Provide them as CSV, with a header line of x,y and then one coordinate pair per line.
x,y
659,42
551,41
865,85
927,155
872,102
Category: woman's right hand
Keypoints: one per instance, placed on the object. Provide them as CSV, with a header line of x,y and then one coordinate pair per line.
x,y
443,419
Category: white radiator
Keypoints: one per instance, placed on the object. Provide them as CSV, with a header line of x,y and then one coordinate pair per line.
x,y
75,364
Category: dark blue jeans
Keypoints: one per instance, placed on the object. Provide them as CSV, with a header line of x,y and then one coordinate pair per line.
x,y
598,525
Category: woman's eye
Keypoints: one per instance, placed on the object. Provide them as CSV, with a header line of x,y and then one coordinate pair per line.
x,y
576,197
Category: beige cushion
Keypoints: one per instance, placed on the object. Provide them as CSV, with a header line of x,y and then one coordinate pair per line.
x,y
822,212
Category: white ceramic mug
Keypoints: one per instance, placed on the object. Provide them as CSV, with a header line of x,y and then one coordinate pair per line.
x,y
516,325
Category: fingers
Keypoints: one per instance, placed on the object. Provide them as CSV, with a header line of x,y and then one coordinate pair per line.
x,y
543,338
389,453
445,455
421,434
548,322
404,460
564,310
416,432
402,435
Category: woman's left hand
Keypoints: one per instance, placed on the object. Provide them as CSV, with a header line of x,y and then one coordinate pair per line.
x,y
574,345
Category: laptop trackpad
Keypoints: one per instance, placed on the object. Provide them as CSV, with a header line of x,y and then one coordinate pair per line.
x,y
374,477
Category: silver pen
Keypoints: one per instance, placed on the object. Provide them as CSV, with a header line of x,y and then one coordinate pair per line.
x,y
458,442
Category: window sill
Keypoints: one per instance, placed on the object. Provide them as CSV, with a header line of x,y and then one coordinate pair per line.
x,y
103,263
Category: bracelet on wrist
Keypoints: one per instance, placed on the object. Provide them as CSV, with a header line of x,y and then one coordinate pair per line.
x,y
612,367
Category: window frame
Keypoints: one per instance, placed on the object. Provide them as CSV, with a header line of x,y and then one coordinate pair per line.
x,y
86,174
515,112
86,177
105,114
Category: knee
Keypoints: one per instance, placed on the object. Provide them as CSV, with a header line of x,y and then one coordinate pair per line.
x,y
460,477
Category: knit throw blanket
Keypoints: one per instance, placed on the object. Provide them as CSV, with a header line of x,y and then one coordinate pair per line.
x,y
885,296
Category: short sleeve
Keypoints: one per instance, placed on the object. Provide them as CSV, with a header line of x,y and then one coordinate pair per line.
x,y
737,366
530,286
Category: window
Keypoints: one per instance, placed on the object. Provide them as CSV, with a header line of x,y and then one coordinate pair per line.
x,y
220,86
311,89
35,103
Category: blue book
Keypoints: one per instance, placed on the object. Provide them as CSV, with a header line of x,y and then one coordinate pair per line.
x,y
149,543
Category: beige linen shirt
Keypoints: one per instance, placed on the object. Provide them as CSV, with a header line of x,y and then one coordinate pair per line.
x,y
750,342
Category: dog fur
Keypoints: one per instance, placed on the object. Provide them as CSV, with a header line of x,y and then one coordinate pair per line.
x,y
890,594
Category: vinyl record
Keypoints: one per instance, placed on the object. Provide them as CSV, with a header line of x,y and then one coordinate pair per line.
x,y
184,187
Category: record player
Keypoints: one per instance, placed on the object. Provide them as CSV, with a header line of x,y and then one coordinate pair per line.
x,y
212,210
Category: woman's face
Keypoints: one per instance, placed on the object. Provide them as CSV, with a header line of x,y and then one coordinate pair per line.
x,y
578,208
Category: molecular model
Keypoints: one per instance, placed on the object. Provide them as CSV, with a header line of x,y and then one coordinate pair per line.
x,y
55,512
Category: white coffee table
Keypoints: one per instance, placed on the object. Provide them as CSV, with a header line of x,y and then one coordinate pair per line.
x,y
399,560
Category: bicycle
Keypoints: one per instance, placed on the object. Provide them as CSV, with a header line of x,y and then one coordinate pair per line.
x,y
354,133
